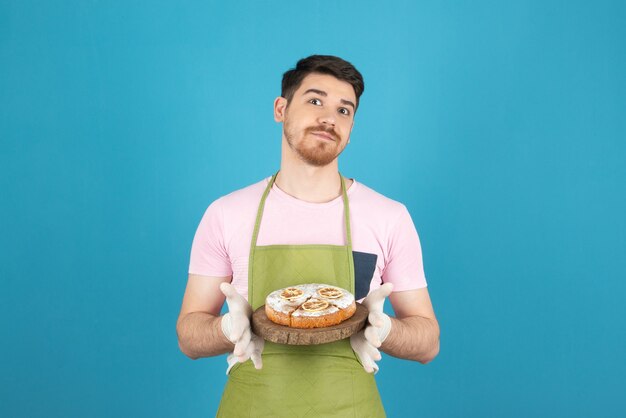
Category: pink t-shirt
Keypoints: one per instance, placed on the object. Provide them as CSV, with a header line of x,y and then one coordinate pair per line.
x,y
384,240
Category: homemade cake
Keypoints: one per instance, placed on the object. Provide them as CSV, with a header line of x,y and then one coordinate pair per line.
x,y
312,305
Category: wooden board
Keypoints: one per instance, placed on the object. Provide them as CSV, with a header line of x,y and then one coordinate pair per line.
x,y
281,334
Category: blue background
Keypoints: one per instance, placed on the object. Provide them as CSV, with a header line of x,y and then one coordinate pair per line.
x,y
501,126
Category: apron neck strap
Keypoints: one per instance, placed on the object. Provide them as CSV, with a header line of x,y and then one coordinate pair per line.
x,y
259,214
346,212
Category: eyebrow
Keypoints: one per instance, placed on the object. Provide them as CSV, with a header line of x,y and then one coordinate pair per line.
x,y
323,94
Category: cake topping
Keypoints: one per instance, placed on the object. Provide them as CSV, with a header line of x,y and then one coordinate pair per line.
x,y
291,293
315,305
330,292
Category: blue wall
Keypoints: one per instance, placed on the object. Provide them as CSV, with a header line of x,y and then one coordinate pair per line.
x,y
501,125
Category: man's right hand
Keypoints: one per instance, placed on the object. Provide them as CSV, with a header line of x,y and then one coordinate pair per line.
x,y
236,327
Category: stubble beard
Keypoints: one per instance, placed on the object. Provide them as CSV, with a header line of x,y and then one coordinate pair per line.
x,y
317,153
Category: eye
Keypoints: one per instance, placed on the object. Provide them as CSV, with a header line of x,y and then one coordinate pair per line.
x,y
344,111
316,102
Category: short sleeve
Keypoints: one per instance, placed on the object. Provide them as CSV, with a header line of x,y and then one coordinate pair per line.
x,y
404,267
208,251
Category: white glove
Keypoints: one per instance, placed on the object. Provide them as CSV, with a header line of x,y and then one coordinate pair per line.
x,y
366,342
236,327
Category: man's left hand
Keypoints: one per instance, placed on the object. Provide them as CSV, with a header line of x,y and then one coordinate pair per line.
x,y
366,343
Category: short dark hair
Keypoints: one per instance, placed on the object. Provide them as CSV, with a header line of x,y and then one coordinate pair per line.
x,y
322,64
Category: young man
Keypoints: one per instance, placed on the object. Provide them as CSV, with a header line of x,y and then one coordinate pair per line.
x,y
304,224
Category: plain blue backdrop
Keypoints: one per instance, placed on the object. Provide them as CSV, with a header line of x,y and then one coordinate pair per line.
x,y
500,125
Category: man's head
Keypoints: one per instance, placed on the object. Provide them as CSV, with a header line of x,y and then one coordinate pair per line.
x,y
317,106
322,64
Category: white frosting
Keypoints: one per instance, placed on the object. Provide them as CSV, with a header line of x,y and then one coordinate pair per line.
x,y
279,304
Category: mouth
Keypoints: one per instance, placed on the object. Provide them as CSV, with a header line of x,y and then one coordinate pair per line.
x,y
324,135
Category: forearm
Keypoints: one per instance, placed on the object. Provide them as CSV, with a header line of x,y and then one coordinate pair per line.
x,y
200,335
413,338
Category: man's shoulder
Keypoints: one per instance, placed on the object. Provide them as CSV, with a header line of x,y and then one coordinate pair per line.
x,y
365,195
242,197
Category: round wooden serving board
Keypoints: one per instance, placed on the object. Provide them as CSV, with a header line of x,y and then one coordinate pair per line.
x,y
281,334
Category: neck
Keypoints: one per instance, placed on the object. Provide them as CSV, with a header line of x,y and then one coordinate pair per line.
x,y
306,182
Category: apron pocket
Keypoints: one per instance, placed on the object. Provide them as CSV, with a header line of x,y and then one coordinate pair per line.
x,y
364,268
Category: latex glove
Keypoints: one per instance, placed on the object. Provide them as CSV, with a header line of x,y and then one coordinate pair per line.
x,y
366,342
236,327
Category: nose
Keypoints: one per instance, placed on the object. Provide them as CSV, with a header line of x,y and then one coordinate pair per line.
x,y
327,118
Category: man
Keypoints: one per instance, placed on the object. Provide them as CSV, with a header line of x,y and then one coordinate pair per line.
x,y
307,224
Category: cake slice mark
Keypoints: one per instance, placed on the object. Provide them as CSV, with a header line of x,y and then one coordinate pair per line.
x,y
298,307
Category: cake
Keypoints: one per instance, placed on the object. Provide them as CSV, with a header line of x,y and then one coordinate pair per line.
x,y
312,305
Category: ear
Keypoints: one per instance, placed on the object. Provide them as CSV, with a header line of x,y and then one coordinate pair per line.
x,y
280,104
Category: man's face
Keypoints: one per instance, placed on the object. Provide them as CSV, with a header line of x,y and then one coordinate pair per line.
x,y
317,121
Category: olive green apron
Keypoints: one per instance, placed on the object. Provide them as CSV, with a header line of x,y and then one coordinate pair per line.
x,y
324,380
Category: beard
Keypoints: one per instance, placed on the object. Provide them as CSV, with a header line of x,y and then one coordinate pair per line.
x,y
317,153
